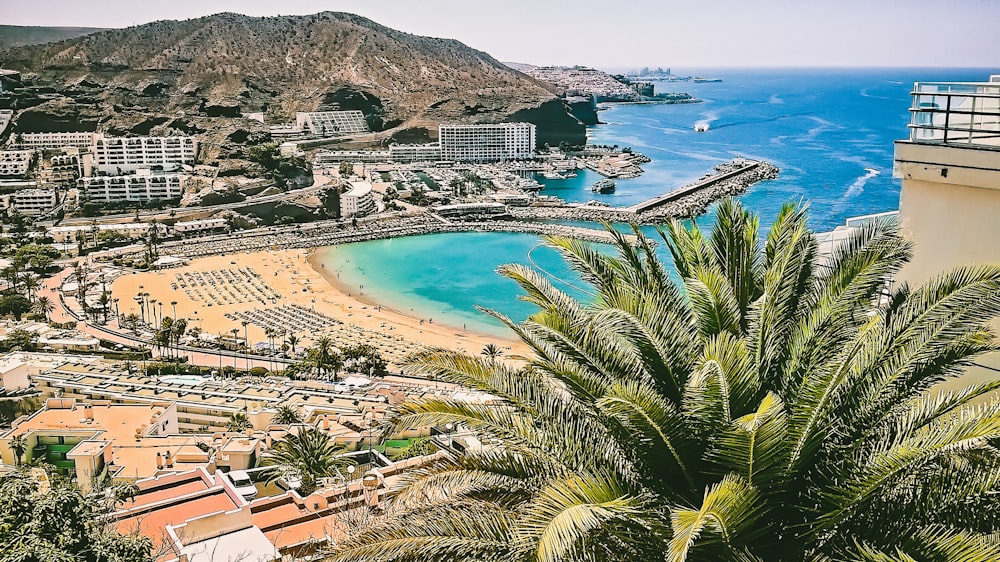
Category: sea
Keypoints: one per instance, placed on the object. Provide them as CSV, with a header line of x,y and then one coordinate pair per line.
x,y
830,131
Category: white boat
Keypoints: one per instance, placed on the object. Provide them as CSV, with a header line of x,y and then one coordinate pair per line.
x,y
700,127
553,176
604,186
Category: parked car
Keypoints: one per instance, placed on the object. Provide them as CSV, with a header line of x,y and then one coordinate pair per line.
x,y
244,486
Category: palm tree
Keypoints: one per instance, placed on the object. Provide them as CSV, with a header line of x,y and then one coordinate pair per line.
x,y
323,357
238,423
287,415
772,407
292,341
18,445
309,454
44,306
492,351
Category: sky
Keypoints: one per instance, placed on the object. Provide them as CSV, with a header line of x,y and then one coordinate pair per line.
x,y
621,35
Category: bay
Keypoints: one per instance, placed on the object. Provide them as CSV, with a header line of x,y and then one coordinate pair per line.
x,y
830,131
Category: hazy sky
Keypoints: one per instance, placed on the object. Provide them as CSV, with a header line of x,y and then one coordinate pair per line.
x,y
609,34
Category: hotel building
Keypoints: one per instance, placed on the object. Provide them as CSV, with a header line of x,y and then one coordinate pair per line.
x,y
45,141
15,163
357,201
332,123
141,186
487,142
115,155
950,171
32,201
408,153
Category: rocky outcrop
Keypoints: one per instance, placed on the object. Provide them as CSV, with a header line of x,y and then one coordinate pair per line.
x,y
555,123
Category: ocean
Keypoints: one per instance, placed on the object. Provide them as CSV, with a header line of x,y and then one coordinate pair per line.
x,y
830,131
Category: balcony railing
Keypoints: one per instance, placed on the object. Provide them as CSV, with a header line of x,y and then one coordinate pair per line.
x,y
961,113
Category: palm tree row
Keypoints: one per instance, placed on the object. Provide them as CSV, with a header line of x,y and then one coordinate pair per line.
x,y
767,407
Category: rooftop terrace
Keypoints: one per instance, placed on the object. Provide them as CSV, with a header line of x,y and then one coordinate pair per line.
x,y
956,113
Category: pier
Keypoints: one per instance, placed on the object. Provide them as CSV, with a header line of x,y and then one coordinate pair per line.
x,y
694,187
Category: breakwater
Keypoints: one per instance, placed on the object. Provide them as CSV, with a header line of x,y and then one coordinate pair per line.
x,y
732,178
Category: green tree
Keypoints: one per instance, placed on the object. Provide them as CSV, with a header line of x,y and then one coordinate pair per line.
x,y
324,359
44,306
287,415
15,305
60,524
20,340
238,423
18,445
492,351
309,454
365,359
769,408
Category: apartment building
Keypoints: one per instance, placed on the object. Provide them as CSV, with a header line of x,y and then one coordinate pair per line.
x,y
144,185
46,141
203,225
133,230
357,201
115,155
487,142
15,163
407,153
332,123
32,201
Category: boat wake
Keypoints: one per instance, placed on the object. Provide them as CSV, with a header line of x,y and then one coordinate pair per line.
x,y
858,186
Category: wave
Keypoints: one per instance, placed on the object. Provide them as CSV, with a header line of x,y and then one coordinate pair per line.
x,y
775,99
858,187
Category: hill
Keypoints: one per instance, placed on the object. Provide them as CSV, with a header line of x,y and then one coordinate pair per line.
x,y
21,35
185,76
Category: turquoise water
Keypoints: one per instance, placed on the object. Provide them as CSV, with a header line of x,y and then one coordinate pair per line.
x,y
823,128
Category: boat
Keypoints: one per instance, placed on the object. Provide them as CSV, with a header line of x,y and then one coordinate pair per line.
x,y
700,127
603,186
552,175
700,79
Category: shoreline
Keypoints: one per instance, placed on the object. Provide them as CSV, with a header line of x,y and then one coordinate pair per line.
x,y
314,260
292,279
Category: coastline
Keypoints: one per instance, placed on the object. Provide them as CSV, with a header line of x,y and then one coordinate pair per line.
x,y
295,278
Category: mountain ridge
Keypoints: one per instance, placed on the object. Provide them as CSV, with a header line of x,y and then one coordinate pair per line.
x,y
24,35
226,64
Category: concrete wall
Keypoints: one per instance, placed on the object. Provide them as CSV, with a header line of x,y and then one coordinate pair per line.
x,y
949,207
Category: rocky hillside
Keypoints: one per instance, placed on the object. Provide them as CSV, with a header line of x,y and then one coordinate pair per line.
x,y
20,35
196,76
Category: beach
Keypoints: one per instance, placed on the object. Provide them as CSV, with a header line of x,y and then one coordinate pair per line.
x,y
289,291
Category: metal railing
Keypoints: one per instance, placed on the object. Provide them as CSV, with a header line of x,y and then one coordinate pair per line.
x,y
961,113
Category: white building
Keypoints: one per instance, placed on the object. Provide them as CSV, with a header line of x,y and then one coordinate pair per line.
x,y
187,227
43,141
358,200
126,154
15,163
32,201
487,142
133,230
335,157
407,153
141,186
332,123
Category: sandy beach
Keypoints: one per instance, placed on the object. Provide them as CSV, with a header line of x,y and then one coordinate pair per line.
x,y
283,289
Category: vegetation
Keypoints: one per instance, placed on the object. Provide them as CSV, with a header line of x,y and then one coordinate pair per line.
x,y
309,455
769,408
287,415
61,524
238,423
